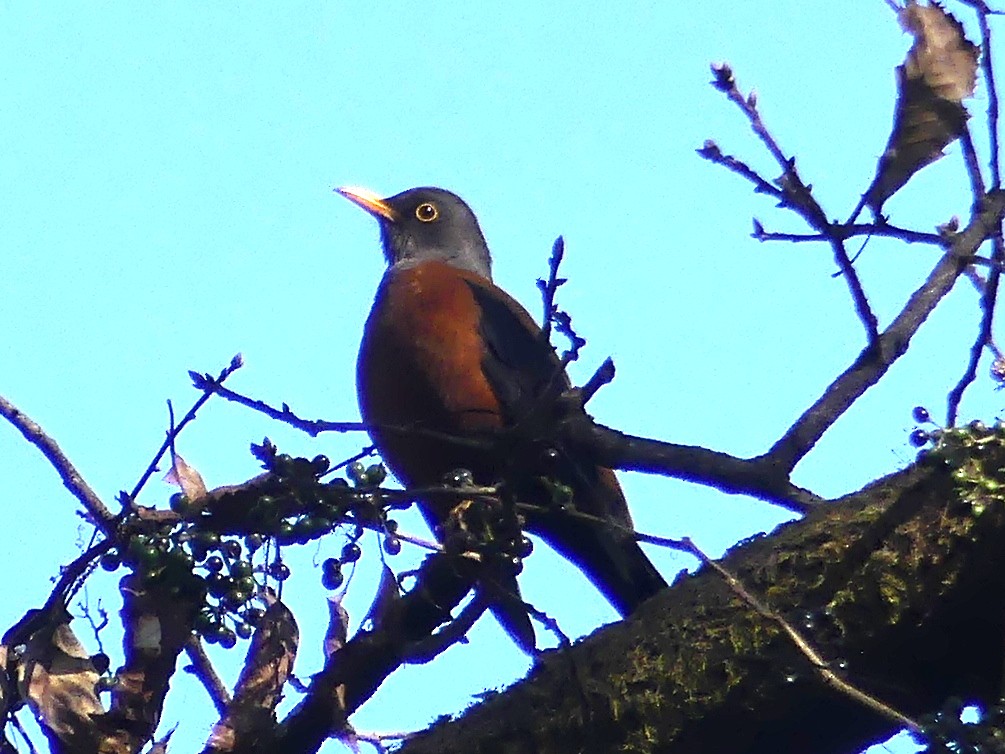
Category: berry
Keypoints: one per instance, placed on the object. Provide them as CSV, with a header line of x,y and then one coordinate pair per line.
x,y
392,545
921,415
279,570
111,561
231,548
331,574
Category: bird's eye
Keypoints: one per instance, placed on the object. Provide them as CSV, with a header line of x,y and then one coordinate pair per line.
x,y
427,212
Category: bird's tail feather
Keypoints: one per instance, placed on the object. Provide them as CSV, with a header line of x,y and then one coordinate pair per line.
x,y
509,609
610,558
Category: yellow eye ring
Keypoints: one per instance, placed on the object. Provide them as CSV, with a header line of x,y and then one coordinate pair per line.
x,y
426,212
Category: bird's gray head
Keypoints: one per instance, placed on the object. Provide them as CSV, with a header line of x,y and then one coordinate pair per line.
x,y
426,224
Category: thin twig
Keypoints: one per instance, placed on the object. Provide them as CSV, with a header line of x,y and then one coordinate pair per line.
x,y
851,231
96,627
13,719
550,624
972,163
989,298
72,479
313,427
822,667
379,741
979,283
421,652
210,386
603,376
206,673
987,67
550,287
795,193
873,363
711,152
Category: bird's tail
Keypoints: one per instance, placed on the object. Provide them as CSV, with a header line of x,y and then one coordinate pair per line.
x,y
509,609
611,559
597,536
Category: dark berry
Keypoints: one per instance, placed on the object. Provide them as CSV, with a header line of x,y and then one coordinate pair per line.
x,y
231,548
351,552
180,503
226,638
215,563
111,561
253,615
285,534
279,570
254,541
919,437
218,584
392,545
524,547
356,472
320,464
376,474
331,574
921,415
241,568
244,631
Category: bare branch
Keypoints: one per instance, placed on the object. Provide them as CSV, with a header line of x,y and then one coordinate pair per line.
x,y
795,194
209,387
873,362
72,479
205,672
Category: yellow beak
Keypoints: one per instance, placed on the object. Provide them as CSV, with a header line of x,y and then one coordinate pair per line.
x,y
369,201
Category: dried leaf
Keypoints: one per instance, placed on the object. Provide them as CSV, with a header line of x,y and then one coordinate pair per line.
x,y
387,594
941,55
259,688
940,71
338,627
187,478
58,680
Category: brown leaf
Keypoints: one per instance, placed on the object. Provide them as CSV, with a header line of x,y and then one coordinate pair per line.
x,y
57,679
259,688
338,627
187,478
939,72
387,594
940,55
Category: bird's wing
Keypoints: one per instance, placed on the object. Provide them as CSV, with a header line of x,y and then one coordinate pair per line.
x,y
518,362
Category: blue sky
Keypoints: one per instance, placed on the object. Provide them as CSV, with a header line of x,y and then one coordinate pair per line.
x,y
167,176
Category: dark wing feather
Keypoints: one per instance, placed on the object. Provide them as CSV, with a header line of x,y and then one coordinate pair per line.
x,y
525,372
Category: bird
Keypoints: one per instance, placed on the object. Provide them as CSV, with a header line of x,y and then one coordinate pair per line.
x,y
448,356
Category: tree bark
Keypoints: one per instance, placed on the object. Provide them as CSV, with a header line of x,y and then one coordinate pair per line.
x,y
898,586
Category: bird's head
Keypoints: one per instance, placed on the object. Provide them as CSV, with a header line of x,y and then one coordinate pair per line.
x,y
426,224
